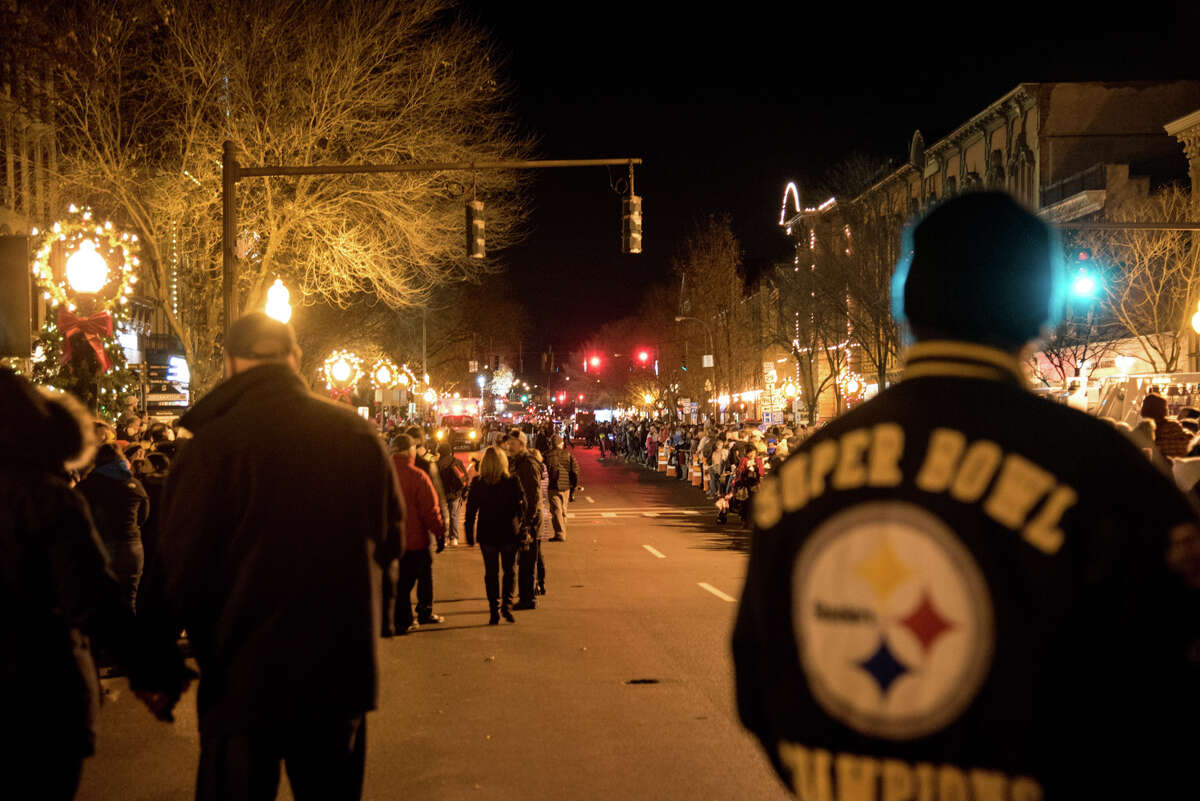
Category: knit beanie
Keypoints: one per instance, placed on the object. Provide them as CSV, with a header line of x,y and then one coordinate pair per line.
x,y
980,268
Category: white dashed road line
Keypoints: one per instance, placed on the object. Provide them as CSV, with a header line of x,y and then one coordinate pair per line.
x,y
655,551
589,498
649,514
717,592
608,514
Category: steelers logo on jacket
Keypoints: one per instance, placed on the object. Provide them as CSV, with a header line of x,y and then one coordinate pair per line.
x,y
893,620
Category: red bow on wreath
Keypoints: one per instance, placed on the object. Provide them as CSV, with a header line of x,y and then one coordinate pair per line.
x,y
342,395
92,327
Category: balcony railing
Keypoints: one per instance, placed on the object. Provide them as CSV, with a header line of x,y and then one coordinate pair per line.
x,y
1091,178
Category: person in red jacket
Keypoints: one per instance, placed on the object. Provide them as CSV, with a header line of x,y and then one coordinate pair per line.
x,y
422,527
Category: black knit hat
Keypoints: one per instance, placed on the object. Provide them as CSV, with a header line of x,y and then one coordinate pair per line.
x,y
982,269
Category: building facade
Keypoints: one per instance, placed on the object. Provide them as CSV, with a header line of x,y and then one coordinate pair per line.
x,y
1065,150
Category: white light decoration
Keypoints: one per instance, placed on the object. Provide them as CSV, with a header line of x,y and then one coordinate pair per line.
x,y
1125,362
278,306
1196,319
341,370
386,375
430,396
87,272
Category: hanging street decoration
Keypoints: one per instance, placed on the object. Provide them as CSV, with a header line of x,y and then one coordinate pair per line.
x,y
851,385
77,349
385,374
341,372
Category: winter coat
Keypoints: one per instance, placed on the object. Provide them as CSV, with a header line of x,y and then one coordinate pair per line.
x,y
498,509
958,519
423,518
529,473
118,501
563,468
428,465
277,516
55,587
56,591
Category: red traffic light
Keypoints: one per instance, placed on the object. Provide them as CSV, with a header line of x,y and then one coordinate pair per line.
x,y
1083,254
581,397
595,361
643,356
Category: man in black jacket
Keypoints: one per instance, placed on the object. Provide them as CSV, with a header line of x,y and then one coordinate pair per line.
x,y
277,518
529,473
958,589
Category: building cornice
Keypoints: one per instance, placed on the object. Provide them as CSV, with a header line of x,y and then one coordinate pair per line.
x,y
1181,125
1000,109
1078,205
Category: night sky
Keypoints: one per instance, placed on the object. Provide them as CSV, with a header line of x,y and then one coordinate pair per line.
x,y
727,107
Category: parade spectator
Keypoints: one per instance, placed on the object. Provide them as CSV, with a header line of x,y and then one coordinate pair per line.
x,y
454,484
119,507
57,594
277,516
1170,437
563,476
529,473
427,462
544,530
423,529
496,518
972,487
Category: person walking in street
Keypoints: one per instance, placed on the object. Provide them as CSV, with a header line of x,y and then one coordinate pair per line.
x,y
959,589
544,530
563,470
423,529
279,514
529,473
496,519
119,507
57,593
427,462
454,483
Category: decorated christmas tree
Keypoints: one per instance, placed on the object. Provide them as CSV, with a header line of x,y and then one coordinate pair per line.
x,y
77,349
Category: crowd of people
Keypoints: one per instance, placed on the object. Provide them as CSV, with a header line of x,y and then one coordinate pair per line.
x,y
227,537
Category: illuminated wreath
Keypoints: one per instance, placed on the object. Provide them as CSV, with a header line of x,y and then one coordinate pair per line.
x,y
851,384
341,370
385,374
118,249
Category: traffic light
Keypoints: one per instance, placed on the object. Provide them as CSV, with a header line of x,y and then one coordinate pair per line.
x,y
475,229
581,396
594,361
643,357
631,224
1083,254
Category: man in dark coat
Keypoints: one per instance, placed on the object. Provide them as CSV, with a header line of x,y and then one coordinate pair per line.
x,y
277,518
529,473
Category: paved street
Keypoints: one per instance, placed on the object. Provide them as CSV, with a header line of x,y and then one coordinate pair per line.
x,y
619,686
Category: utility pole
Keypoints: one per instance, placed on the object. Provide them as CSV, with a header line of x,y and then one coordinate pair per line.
x,y
424,363
232,172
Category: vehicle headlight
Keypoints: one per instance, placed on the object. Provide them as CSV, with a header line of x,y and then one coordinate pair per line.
x,y
471,435
440,434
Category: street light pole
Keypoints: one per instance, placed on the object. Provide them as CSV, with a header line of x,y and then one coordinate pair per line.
x,y
707,334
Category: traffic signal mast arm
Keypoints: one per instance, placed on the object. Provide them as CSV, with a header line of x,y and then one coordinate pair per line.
x,y
232,172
